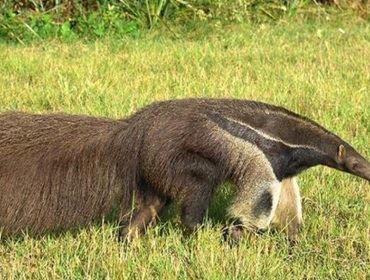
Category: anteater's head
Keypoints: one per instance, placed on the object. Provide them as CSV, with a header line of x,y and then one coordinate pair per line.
x,y
348,160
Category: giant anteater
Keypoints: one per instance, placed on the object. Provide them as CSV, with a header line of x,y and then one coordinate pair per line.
x,y
60,171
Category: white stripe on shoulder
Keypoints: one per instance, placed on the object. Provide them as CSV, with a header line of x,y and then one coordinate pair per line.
x,y
270,137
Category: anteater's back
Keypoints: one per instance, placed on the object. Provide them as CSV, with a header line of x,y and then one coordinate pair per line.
x,y
46,168
273,120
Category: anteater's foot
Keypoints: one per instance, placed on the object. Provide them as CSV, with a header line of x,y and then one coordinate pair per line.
x,y
232,234
127,233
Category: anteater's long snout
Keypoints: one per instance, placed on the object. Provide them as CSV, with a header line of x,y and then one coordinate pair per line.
x,y
358,166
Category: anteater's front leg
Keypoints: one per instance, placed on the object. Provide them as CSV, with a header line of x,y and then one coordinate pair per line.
x,y
254,207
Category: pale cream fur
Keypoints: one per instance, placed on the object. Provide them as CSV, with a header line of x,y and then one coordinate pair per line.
x,y
288,214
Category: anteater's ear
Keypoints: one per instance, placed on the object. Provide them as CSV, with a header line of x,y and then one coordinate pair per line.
x,y
341,154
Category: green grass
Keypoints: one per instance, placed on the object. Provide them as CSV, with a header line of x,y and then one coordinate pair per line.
x,y
319,69
35,20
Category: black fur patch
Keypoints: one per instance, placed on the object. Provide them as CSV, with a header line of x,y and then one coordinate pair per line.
x,y
264,205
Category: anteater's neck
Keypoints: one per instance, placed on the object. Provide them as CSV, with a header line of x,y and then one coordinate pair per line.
x,y
300,142
291,143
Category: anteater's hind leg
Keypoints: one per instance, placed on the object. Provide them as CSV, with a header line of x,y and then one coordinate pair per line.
x,y
288,214
195,204
148,211
198,181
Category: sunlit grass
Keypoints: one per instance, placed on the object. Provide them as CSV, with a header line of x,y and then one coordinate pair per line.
x,y
321,70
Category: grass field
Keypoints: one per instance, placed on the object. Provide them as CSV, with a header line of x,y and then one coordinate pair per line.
x,y
319,69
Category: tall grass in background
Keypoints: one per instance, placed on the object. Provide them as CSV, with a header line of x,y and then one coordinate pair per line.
x,y
25,20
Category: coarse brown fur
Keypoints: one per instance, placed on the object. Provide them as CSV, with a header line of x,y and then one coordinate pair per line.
x,y
59,171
